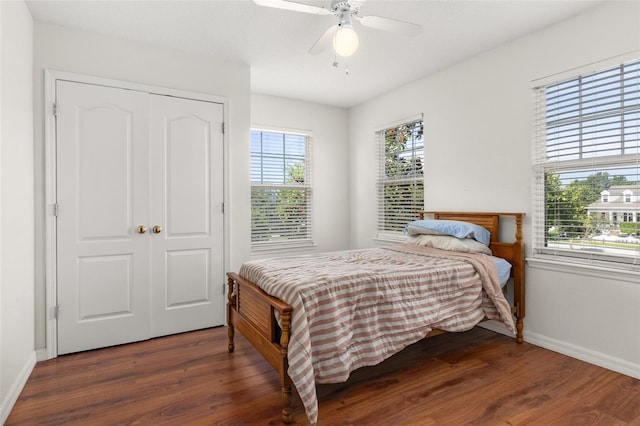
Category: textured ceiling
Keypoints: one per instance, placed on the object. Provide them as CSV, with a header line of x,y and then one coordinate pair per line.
x,y
275,42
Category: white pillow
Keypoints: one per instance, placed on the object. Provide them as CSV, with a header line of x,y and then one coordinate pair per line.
x,y
446,242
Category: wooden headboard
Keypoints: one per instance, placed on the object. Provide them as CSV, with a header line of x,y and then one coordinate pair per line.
x,y
512,252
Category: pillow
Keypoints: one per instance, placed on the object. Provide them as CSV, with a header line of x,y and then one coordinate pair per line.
x,y
454,228
447,242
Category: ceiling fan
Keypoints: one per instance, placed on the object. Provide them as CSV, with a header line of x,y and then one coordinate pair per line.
x,y
345,39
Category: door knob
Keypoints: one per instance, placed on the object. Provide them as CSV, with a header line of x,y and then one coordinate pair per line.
x,y
156,229
141,229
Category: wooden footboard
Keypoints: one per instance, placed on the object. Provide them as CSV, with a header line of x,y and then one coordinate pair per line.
x,y
253,312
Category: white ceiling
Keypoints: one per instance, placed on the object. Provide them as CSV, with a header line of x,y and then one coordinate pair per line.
x,y
275,42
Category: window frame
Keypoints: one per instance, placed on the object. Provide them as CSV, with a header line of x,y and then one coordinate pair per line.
x,y
307,186
606,261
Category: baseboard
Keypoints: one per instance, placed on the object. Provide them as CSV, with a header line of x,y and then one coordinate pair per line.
x,y
597,358
16,388
42,355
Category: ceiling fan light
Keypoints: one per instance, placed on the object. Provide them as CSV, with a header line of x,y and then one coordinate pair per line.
x,y
346,41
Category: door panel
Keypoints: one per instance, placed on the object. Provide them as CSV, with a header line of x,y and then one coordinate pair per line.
x,y
188,174
188,277
105,287
102,169
187,255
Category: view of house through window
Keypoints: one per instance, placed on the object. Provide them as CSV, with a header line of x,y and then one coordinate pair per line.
x,y
280,187
401,176
588,165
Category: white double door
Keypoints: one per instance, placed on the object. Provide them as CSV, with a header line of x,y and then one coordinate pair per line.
x,y
140,249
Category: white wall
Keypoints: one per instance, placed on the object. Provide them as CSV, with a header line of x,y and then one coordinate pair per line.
x,y
85,53
17,354
330,129
477,126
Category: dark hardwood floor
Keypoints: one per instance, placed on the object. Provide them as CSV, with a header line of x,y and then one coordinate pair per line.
x,y
477,377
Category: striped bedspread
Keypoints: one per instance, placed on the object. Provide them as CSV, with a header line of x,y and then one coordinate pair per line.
x,y
357,308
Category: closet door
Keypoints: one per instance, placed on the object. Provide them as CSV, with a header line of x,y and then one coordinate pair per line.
x,y
140,249
102,197
186,193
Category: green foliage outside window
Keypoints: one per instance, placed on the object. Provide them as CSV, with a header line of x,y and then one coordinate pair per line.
x,y
567,214
281,214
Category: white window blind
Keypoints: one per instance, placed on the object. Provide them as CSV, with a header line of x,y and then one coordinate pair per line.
x,y
587,166
280,188
401,175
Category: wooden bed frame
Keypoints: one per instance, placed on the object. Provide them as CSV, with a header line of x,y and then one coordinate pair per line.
x,y
253,312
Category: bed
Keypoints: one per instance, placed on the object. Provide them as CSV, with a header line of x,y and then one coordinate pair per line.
x,y
328,329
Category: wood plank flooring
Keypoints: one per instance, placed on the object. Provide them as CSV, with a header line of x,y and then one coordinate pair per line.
x,y
477,377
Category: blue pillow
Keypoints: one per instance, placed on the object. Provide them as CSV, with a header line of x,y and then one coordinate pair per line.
x,y
454,228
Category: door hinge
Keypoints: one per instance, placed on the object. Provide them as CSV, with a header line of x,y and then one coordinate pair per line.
x,y
56,311
222,208
223,127
55,109
55,209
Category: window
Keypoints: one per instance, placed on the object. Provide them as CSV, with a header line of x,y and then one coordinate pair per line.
x,y
401,176
280,188
587,154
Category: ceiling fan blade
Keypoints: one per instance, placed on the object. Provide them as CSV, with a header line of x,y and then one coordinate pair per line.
x,y
391,25
324,41
291,5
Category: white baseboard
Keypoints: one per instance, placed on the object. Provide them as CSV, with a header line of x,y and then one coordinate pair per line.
x,y
42,355
17,386
592,357
597,358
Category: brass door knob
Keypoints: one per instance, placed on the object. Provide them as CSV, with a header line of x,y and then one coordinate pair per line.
x,y
156,229
141,229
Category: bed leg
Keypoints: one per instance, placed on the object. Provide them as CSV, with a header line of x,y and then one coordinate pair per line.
x,y
287,416
230,302
285,380
230,333
519,328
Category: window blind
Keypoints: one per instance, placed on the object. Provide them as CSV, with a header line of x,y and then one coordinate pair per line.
x,y
281,192
401,175
587,166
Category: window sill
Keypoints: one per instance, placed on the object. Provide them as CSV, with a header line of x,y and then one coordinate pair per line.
x,y
625,272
